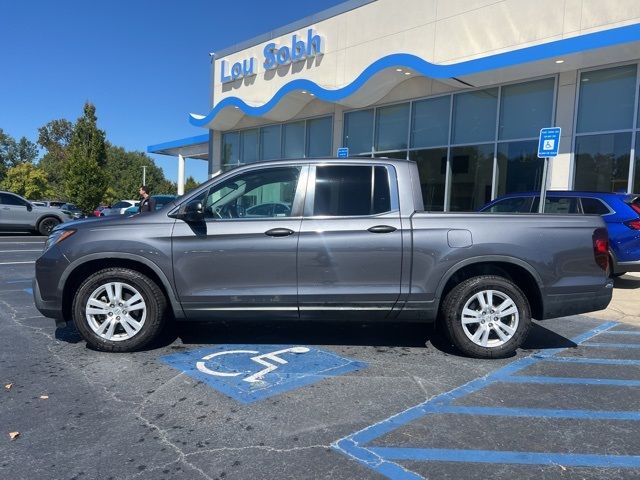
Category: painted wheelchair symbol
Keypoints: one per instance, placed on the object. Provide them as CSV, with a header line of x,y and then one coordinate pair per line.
x,y
264,360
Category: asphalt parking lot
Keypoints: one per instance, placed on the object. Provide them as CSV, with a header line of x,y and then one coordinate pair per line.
x,y
302,400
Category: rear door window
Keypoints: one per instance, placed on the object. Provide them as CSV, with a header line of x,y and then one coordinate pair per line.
x,y
558,205
511,205
8,199
351,190
593,206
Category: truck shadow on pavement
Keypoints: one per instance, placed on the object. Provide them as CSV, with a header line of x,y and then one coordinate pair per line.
x,y
626,282
391,334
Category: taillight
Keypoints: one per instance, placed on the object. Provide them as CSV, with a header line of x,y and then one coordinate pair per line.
x,y
635,207
601,247
633,224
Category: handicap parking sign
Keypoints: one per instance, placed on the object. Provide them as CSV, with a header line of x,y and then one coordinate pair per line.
x,y
248,373
549,142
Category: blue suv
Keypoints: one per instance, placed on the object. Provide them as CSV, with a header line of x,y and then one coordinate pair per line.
x,y
620,211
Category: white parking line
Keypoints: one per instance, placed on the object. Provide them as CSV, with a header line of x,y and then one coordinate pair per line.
x,y
16,251
22,243
15,263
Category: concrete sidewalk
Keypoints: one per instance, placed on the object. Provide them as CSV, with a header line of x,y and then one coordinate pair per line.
x,y
625,306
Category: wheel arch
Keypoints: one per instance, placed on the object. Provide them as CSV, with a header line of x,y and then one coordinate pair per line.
x,y
519,272
82,268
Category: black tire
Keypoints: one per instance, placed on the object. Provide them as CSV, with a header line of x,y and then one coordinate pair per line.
x,y
152,295
47,224
454,303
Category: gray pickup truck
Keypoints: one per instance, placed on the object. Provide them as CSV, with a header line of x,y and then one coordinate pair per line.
x,y
314,239
18,214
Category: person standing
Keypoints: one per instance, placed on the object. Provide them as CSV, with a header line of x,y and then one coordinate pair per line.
x,y
147,203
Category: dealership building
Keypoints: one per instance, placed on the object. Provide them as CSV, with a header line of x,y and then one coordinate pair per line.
x,y
462,87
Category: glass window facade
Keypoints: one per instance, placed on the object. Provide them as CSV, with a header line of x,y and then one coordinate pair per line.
x,y
518,167
482,138
430,122
605,157
471,177
525,108
392,125
602,162
319,133
304,138
358,131
474,116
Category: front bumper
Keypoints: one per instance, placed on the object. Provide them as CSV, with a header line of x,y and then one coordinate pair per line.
x,y
576,303
48,308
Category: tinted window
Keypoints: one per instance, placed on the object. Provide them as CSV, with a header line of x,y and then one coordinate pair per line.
x,y
293,140
347,191
358,131
319,132
559,205
593,206
511,205
7,199
430,122
525,108
392,124
253,194
474,116
606,99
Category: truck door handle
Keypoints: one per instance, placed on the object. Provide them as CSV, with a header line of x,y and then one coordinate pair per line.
x,y
382,229
279,232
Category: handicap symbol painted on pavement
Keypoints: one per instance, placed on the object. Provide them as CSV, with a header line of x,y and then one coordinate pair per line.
x,y
248,373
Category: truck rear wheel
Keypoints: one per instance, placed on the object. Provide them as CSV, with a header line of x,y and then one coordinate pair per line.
x,y
486,316
119,310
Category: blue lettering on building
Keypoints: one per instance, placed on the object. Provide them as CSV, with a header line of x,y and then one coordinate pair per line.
x,y
275,56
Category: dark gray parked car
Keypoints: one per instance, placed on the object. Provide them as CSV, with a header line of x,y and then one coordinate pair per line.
x,y
18,214
353,242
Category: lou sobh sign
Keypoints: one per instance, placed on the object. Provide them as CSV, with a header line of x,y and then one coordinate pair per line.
x,y
275,56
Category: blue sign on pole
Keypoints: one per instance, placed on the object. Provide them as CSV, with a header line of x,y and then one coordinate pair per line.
x,y
343,152
549,142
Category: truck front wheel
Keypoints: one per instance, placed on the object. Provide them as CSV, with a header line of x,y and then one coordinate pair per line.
x,y
486,316
119,310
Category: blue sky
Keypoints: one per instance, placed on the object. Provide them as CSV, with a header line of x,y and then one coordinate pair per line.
x,y
144,64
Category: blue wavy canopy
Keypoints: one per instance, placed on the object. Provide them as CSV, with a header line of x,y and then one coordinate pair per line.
x,y
591,41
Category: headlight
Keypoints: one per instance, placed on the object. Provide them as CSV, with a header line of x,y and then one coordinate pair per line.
x,y
57,236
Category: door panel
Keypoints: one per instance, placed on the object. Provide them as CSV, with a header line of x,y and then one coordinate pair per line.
x,y
348,263
241,261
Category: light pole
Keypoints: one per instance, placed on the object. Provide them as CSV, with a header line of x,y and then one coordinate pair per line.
x,y
144,175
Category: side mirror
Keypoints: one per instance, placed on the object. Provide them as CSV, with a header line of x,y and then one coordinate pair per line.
x,y
29,207
190,212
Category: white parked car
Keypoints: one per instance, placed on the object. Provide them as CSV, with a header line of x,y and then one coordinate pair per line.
x,y
119,207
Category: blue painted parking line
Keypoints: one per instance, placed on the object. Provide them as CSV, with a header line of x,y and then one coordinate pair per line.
x,y
248,373
382,459
610,345
623,332
536,412
587,360
29,291
522,458
570,380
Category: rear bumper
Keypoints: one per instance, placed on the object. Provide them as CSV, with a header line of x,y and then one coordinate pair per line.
x,y
48,308
577,303
621,267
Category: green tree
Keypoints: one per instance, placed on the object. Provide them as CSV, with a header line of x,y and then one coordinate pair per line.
x,y
85,181
124,170
55,137
27,180
14,153
190,184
